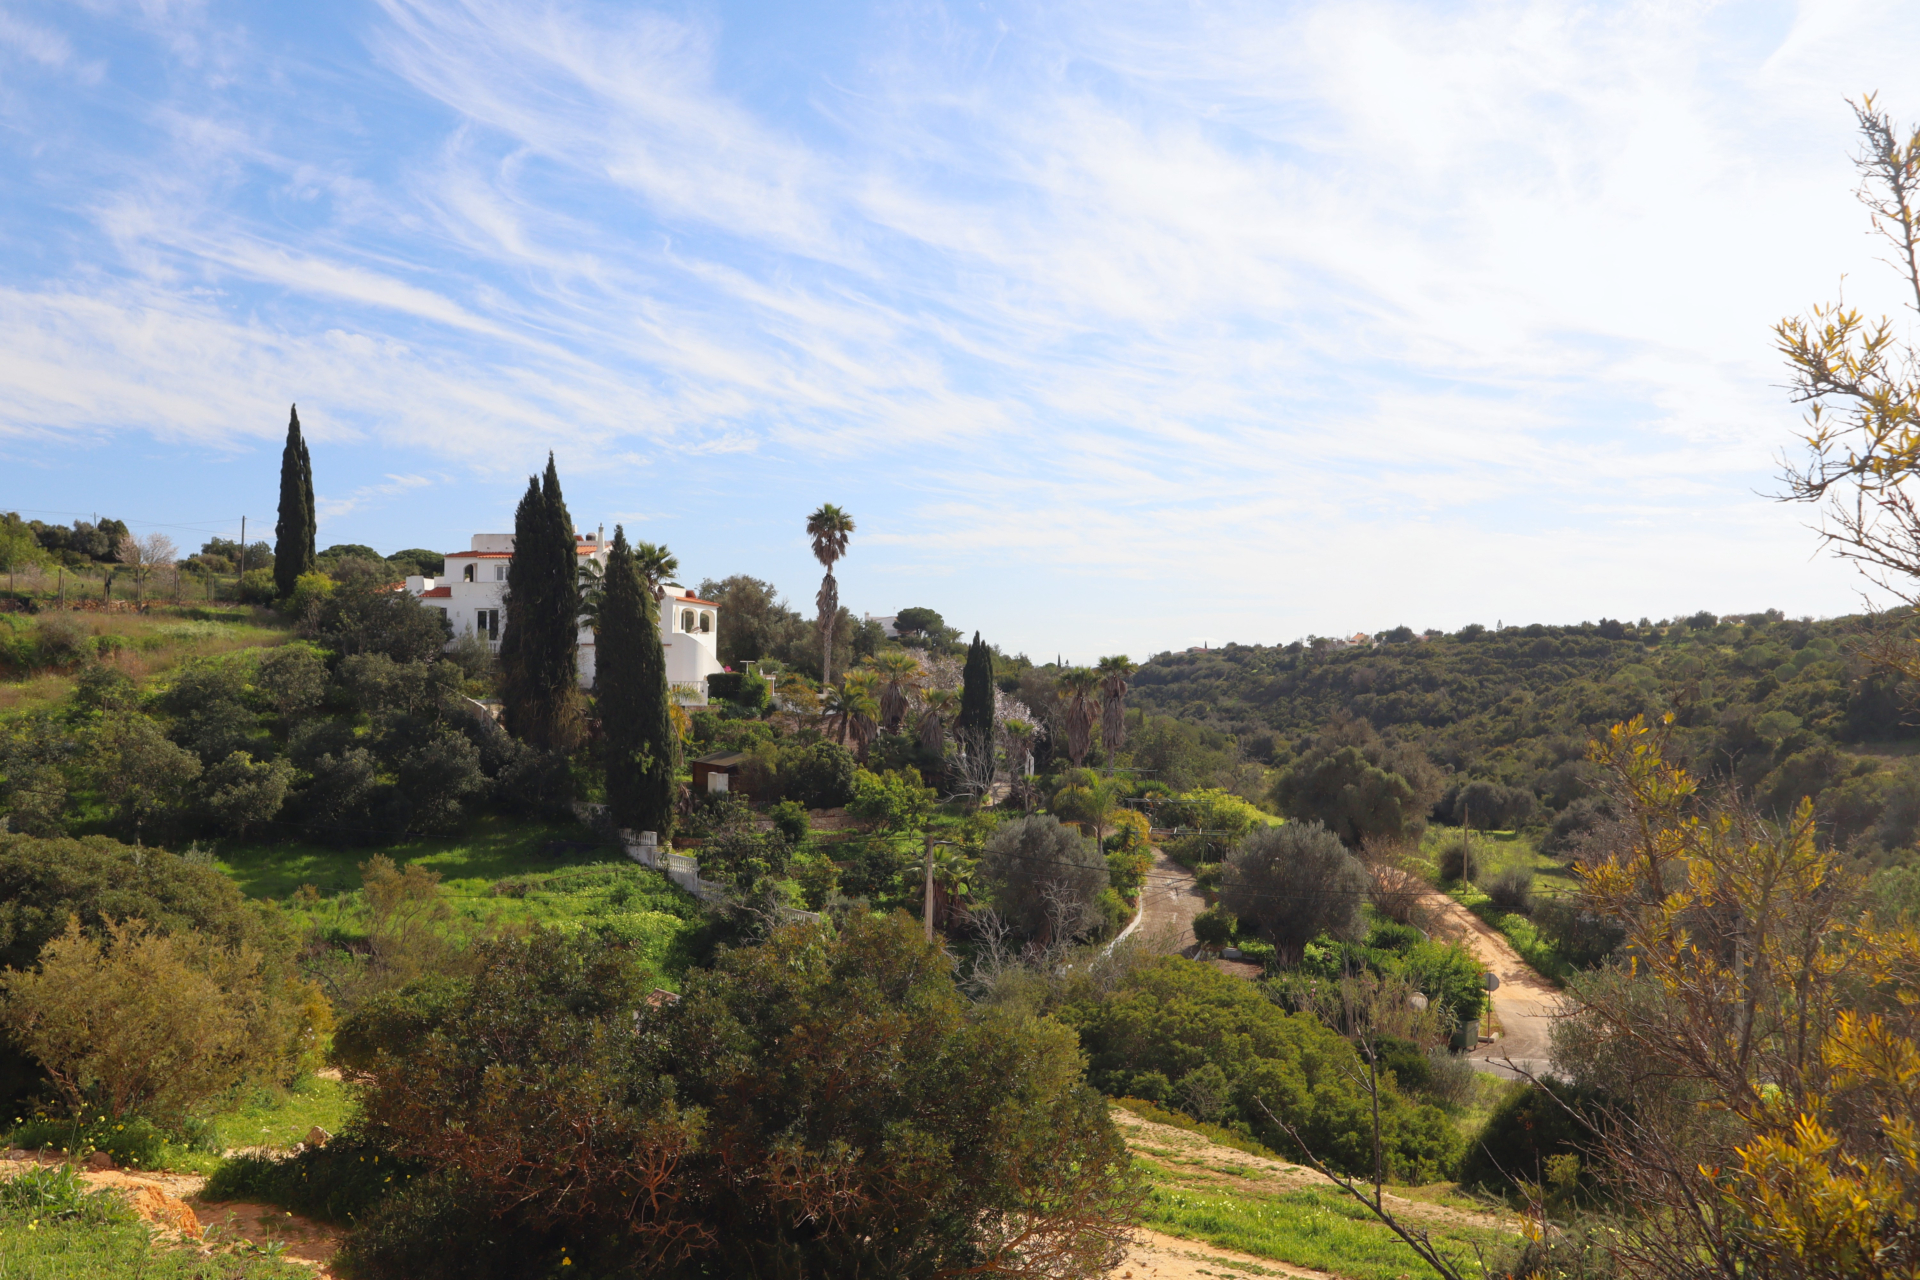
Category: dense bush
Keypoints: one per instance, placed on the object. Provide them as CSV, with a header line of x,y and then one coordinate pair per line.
x,y
1459,860
1486,805
1511,889
819,776
364,617
560,1115
1222,1050
156,1024
1582,937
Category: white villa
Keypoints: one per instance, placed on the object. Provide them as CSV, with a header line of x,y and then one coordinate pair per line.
x,y
472,589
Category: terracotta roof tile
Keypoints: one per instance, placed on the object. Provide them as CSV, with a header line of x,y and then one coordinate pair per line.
x,y
438,593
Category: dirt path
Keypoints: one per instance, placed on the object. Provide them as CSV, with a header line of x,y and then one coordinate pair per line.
x,y
1524,1004
1160,1257
1172,901
172,1203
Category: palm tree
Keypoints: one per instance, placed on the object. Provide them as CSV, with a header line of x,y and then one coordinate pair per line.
x,y
1114,673
899,676
939,704
829,527
860,689
1079,688
655,563
593,585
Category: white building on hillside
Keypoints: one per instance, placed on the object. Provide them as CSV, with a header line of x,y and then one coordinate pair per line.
x,y
471,590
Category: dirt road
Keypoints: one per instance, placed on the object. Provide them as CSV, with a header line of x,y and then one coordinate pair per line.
x,y
1525,1002
1172,901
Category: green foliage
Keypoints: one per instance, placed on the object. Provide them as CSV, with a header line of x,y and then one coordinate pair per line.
x,y
1351,796
1216,812
939,1132
539,649
790,820
364,617
57,1193
158,1024
134,1142
240,793
892,802
1444,972
1458,861
1178,755
293,534
1213,927
1227,1050
1292,883
755,623
641,747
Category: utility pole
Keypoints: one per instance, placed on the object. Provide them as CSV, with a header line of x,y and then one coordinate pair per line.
x,y
927,912
240,583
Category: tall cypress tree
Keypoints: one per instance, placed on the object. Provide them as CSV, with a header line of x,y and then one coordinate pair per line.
x,y
975,725
630,688
539,650
293,533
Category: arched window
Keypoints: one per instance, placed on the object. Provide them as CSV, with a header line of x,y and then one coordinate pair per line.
x,y
468,575
686,620
706,621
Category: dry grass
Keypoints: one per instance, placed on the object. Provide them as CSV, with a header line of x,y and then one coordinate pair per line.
x,y
150,644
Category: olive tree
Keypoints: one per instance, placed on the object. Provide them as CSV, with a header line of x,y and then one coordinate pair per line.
x,y
1295,882
1047,877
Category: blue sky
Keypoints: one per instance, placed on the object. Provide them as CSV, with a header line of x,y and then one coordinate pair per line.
x,y
1117,327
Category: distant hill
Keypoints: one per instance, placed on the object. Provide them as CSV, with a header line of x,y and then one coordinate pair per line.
x,y
1787,708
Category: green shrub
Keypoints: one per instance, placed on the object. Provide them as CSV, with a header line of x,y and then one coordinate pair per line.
x,y
554,1095
1459,861
1213,927
1226,1049
790,820
819,776
59,1192
134,1142
1511,889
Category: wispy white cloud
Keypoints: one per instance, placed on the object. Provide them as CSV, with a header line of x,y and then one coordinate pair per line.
x,y
1261,298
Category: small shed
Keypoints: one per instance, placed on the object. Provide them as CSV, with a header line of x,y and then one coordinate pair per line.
x,y
717,770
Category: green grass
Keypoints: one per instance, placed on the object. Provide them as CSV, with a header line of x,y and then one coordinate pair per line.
x,y
282,1117
53,1228
1304,1227
493,848
35,1248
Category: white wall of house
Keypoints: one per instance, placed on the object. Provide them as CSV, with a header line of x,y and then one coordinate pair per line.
x,y
471,590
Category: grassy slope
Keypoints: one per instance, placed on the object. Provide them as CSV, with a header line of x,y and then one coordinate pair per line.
x,y
145,644
1200,1190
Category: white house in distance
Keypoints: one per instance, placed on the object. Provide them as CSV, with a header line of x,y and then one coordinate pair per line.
x,y
471,590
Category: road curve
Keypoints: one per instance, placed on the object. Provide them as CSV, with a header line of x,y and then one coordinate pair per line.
x,y
1525,1002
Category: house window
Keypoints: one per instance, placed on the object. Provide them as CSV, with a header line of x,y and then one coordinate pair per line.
x,y
489,623
499,573
706,621
686,620
468,574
